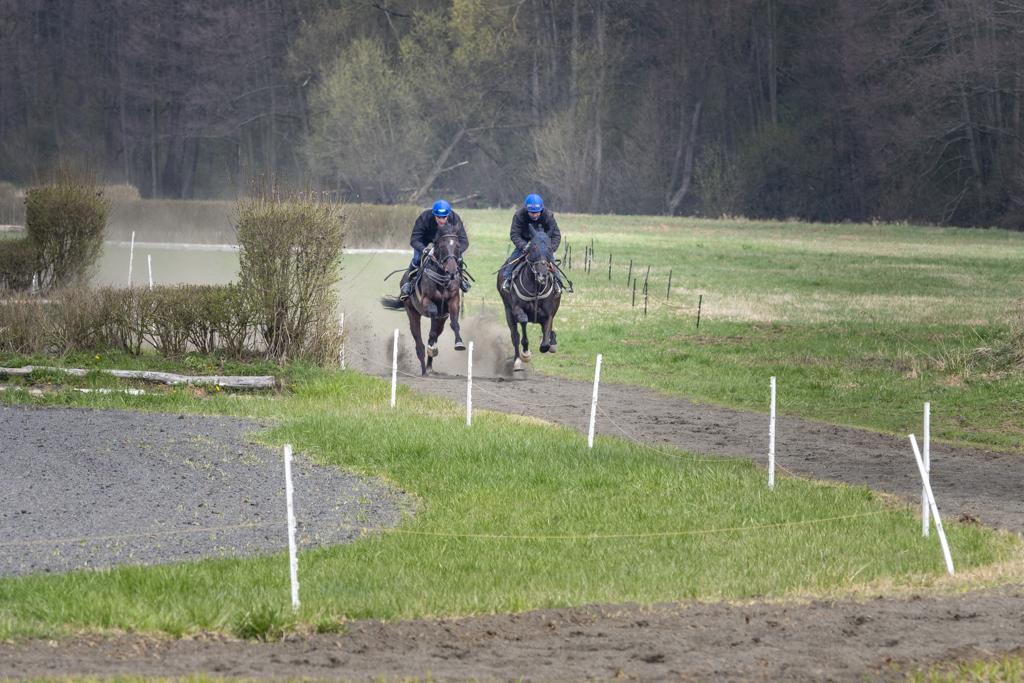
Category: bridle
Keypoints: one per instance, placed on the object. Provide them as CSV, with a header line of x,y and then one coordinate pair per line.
x,y
544,280
442,276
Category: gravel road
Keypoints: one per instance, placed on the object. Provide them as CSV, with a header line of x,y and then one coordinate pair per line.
x,y
97,488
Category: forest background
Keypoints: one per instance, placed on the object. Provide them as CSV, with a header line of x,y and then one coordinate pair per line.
x,y
892,110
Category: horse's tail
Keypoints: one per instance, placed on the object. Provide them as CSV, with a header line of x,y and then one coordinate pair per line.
x,y
392,302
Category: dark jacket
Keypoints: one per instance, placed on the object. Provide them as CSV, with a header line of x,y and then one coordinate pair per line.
x,y
521,225
424,230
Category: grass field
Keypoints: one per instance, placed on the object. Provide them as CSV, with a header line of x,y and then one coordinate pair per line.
x,y
860,323
513,515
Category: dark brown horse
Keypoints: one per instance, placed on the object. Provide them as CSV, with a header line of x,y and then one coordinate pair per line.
x,y
533,297
437,295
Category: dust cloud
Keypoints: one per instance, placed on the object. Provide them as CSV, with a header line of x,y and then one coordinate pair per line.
x,y
369,339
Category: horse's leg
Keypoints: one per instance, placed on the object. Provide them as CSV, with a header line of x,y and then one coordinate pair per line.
x,y
417,335
545,335
454,306
436,327
549,330
526,355
517,363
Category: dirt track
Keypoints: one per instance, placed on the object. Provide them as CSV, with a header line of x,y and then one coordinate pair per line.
x,y
817,641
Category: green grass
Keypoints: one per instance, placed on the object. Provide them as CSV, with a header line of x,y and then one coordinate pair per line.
x,y
860,323
1006,669
511,515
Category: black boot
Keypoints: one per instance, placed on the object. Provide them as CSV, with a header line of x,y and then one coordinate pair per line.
x,y
408,285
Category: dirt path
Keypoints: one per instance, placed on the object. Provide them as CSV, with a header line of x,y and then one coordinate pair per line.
x,y
842,640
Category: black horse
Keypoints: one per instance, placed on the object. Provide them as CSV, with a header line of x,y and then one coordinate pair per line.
x,y
437,295
534,296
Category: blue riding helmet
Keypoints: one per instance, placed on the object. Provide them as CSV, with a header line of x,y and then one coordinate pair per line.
x,y
533,203
442,209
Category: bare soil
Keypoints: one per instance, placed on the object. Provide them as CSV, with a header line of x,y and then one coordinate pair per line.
x,y
825,640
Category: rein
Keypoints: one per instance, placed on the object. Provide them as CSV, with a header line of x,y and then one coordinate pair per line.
x,y
544,293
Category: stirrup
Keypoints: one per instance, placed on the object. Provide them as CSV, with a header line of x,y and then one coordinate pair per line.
x,y
506,284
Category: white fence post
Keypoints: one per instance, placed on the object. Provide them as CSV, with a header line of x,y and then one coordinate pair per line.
x,y
394,369
469,387
934,507
771,439
293,556
925,522
131,258
149,260
593,402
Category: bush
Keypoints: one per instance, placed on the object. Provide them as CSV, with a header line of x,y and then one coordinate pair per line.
x,y
77,321
170,316
24,328
65,221
122,321
290,260
231,315
19,262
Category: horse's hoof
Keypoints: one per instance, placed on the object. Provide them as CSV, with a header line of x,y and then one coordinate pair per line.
x,y
460,346
526,356
517,366
432,351
544,348
553,348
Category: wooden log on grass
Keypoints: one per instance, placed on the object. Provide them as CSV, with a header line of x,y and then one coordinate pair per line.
x,y
224,381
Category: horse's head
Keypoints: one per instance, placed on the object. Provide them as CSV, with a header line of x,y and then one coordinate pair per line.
x,y
538,255
448,249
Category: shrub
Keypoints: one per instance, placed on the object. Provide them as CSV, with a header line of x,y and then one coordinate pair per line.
x,y
170,317
24,328
77,323
19,262
65,221
231,315
123,323
290,259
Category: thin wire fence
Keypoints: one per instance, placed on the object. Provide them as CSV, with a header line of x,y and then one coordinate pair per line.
x,y
366,530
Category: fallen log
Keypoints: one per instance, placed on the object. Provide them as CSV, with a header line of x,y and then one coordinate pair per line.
x,y
223,381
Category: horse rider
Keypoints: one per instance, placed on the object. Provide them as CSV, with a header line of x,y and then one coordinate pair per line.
x,y
424,231
531,215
